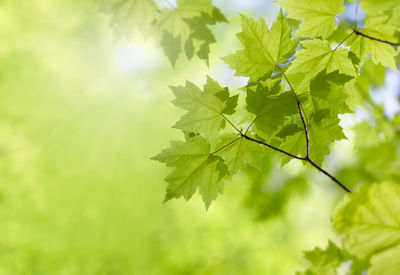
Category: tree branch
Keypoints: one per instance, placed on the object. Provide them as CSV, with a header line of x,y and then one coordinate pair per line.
x,y
357,32
272,147
307,158
329,175
300,112
305,128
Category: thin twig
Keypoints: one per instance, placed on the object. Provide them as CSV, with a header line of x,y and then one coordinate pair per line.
x,y
355,16
306,159
226,145
239,131
305,128
300,112
344,21
251,124
357,32
272,147
347,37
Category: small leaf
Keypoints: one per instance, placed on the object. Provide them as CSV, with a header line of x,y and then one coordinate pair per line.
x,y
264,49
195,169
270,109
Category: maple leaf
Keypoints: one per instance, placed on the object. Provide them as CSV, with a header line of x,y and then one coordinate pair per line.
x,y
324,261
370,221
195,169
241,153
379,52
270,109
205,109
264,49
317,56
323,130
187,27
318,15
327,91
327,261
213,87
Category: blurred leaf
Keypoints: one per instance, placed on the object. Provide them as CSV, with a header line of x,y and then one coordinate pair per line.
x,y
369,220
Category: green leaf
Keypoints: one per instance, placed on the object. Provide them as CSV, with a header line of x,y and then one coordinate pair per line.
x,y
379,52
241,153
324,262
204,110
187,25
329,260
371,7
323,130
328,92
318,15
127,14
370,221
264,49
213,87
317,56
171,47
270,109
195,169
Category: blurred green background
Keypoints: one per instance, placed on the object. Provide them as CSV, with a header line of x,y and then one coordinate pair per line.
x,y
80,117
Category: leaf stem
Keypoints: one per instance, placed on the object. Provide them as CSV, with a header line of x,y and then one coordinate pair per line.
x,y
344,21
305,128
225,146
347,37
355,15
239,131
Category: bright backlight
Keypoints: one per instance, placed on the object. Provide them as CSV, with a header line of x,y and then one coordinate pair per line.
x,y
138,57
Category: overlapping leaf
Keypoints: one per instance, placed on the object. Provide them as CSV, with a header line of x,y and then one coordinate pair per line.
x,y
263,48
195,169
323,130
317,56
379,52
241,153
318,15
328,92
270,109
